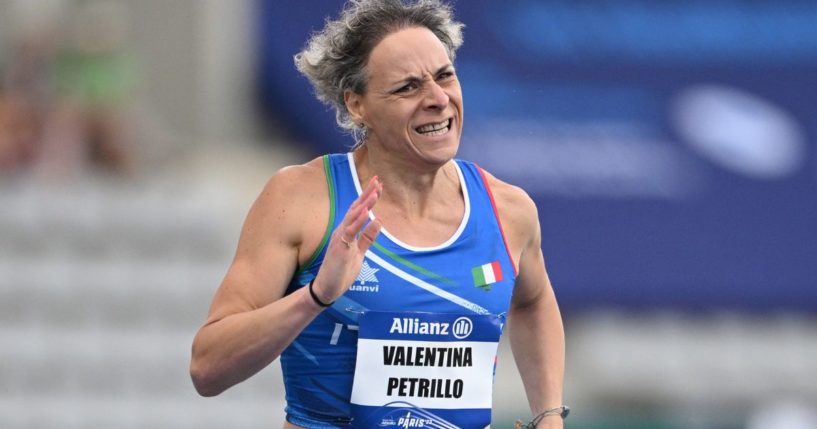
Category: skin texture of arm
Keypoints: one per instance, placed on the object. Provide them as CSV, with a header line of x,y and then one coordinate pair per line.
x,y
534,321
250,320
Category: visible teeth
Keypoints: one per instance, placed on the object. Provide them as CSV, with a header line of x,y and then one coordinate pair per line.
x,y
437,133
435,129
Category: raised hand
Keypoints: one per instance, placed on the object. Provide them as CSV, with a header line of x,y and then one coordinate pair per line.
x,y
348,245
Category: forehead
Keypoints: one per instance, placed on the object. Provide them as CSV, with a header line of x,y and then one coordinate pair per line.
x,y
411,51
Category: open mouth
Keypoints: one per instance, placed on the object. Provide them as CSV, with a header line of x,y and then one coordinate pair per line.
x,y
437,129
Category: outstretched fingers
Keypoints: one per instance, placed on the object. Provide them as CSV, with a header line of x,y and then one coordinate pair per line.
x,y
369,235
358,212
348,244
351,230
373,187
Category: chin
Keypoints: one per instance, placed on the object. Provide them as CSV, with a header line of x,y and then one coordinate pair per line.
x,y
441,154
436,150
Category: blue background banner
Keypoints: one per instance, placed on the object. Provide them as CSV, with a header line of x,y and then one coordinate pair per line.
x,y
669,145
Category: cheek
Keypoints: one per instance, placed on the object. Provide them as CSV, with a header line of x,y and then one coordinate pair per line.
x,y
389,122
455,91
395,117
391,117
457,96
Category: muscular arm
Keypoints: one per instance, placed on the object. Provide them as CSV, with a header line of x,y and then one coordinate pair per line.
x,y
534,321
250,321
537,336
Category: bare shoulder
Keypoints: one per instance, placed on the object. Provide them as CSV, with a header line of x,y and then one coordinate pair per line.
x,y
285,222
291,198
517,211
296,184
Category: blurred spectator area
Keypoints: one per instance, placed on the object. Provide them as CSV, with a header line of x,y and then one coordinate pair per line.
x,y
675,192
124,85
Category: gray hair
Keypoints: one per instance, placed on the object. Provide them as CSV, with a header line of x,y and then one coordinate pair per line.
x,y
335,58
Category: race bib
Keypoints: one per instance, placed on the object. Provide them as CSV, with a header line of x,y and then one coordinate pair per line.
x,y
424,370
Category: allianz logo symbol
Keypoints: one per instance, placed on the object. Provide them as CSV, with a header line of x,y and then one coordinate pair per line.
x,y
462,328
366,280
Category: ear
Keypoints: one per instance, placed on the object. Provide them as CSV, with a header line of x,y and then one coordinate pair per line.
x,y
354,104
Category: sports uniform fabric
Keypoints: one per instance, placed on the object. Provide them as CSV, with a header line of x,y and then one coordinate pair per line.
x,y
319,365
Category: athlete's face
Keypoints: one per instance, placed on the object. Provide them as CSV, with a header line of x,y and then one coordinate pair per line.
x,y
413,101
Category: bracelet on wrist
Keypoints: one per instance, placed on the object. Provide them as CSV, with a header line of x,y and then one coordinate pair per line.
x,y
315,297
562,412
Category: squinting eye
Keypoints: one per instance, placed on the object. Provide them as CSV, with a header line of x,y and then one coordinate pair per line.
x,y
406,88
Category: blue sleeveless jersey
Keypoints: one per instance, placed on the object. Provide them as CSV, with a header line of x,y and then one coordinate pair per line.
x,y
471,273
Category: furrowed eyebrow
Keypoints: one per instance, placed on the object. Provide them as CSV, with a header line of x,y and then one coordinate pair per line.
x,y
413,78
445,68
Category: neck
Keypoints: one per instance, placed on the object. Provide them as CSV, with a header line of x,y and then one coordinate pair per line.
x,y
405,186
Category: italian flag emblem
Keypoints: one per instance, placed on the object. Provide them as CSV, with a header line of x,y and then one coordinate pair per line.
x,y
486,275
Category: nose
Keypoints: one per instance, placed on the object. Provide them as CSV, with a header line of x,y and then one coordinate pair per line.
x,y
436,97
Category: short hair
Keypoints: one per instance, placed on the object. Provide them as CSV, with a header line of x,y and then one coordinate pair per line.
x,y
335,58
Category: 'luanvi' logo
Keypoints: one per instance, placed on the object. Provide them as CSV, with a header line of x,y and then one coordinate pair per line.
x,y
366,280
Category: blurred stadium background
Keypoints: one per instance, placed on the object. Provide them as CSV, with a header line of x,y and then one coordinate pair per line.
x,y
669,146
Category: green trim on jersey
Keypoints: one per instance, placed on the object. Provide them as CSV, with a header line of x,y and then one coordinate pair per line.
x,y
405,262
330,182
